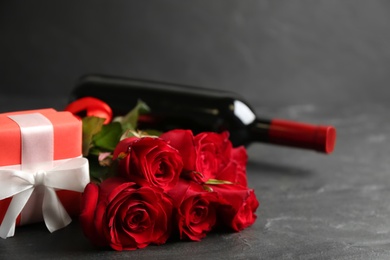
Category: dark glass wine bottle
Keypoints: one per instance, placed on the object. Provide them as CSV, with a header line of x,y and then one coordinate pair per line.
x,y
200,109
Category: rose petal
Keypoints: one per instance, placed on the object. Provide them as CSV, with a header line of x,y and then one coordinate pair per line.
x,y
87,217
238,205
183,141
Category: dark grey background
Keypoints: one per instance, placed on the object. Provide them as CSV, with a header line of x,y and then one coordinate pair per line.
x,y
333,50
315,61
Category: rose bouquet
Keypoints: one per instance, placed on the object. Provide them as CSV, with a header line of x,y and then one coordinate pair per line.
x,y
149,186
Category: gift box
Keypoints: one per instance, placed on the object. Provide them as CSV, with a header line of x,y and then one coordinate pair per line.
x,y
42,172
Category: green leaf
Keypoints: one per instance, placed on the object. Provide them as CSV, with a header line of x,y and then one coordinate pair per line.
x,y
108,137
136,133
129,121
215,181
96,171
91,126
152,132
129,133
96,150
207,188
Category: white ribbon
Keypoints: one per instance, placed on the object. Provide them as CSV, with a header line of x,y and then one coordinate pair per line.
x,y
37,170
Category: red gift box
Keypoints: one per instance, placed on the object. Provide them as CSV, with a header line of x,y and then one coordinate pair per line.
x,y
16,150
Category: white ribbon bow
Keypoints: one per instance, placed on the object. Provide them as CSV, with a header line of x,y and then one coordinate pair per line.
x,y
71,175
39,170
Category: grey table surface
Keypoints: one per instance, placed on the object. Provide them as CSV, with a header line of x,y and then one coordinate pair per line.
x,y
313,206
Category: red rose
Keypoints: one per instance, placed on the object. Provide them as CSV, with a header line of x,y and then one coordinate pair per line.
x,y
195,209
238,205
125,217
235,170
149,161
213,153
240,158
210,154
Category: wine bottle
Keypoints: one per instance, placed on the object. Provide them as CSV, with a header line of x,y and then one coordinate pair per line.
x,y
200,109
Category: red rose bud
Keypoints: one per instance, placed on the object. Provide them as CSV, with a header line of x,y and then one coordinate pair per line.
x,y
90,106
125,217
87,217
195,210
149,161
238,205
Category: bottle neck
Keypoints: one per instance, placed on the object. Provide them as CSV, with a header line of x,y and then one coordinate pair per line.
x,y
294,134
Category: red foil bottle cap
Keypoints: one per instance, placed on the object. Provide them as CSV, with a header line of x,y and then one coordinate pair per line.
x,y
319,138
